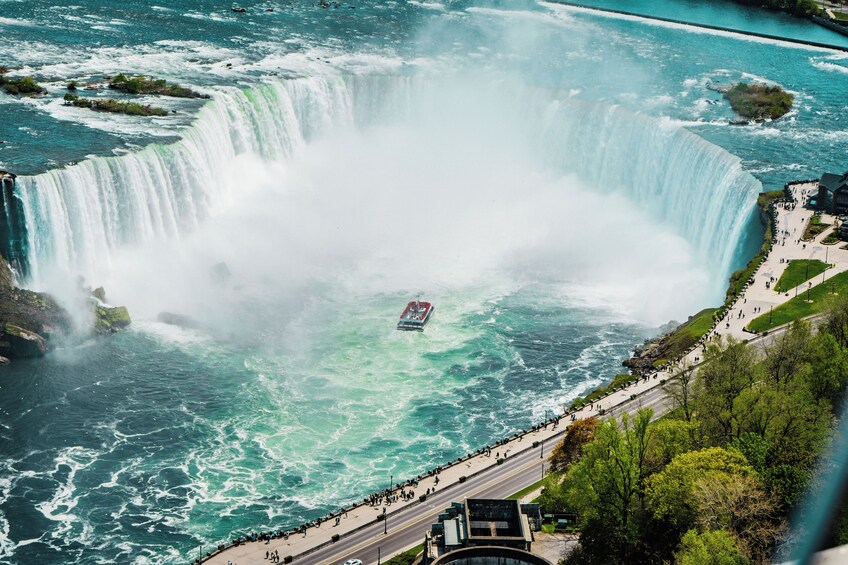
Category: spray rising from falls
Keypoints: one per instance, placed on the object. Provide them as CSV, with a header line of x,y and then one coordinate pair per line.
x,y
81,217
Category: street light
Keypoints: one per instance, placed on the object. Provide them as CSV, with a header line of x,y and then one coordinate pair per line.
x,y
385,522
542,450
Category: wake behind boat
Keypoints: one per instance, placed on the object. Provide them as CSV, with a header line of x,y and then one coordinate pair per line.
x,y
415,316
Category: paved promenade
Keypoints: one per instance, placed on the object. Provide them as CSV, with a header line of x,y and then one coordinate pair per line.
x,y
359,529
790,228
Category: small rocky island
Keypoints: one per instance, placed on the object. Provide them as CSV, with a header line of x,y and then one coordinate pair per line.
x,y
114,106
141,84
759,101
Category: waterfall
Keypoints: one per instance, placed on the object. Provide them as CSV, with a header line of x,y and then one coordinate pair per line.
x,y
77,216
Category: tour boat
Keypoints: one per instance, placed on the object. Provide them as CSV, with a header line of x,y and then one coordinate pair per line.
x,y
415,316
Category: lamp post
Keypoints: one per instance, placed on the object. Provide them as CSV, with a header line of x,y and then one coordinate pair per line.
x,y
542,450
385,522
809,284
378,555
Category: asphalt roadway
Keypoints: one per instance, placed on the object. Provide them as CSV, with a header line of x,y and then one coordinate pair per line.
x,y
407,527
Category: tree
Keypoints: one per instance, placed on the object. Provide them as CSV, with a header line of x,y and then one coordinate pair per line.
x,y
669,438
836,321
679,389
786,484
570,449
708,548
828,375
726,373
755,449
606,486
740,505
670,493
789,352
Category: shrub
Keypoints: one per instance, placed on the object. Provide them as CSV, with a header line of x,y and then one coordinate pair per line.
x,y
114,106
759,101
23,85
142,85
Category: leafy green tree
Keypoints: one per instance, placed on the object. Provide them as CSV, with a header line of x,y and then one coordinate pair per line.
x,y
708,548
786,484
754,447
670,493
679,390
669,438
791,421
836,321
606,486
828,375
788,354
727,372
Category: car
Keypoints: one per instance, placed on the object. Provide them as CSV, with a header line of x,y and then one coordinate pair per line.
x,y
353,562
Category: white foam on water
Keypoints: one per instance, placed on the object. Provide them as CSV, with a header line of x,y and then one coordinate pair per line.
x,y
15,22
830,67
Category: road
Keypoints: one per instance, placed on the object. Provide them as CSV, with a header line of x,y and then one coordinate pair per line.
x,y
406,529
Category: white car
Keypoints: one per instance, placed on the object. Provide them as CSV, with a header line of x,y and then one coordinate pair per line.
x,y
353,562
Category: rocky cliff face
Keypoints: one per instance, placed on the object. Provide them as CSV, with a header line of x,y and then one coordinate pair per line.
x,y
28,320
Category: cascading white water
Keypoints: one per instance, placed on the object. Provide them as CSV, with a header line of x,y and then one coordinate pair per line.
x,y
78,216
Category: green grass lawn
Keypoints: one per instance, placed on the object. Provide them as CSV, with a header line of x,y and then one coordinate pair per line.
x,y
840,16
686,335
798,308
407,557
617,382
814,227
526,490
798,271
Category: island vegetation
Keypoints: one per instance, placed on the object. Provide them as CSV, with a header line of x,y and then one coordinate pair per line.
x,y
144,85
759,101
717,479
114,106
19,86
802,8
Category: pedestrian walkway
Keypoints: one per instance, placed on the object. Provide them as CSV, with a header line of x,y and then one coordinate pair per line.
x,y
760,297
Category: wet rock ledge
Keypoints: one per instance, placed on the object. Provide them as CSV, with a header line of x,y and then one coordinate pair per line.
x,y
33,322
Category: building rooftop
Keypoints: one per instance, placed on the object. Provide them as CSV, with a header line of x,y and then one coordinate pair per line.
x,y
832,182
